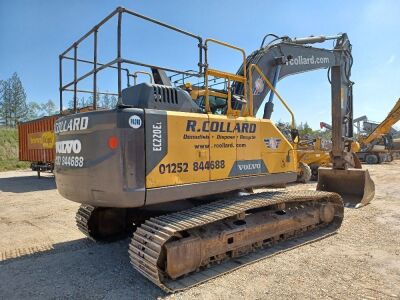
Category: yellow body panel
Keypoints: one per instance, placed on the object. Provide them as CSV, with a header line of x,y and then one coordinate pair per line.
x,y
222,144
203,147
317,157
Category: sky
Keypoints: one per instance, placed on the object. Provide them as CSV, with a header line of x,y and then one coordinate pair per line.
x,y
34,33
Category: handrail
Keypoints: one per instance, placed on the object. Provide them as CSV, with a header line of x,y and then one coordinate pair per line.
x,y
253,66
142,72
226,75
107,65
119,60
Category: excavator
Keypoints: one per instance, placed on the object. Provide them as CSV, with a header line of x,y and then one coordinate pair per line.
x,y
372,152
178,171
377,146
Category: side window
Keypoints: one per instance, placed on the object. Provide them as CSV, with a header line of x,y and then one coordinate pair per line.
x,y
217,105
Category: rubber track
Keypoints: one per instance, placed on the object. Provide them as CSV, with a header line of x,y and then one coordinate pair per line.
x,y
148,240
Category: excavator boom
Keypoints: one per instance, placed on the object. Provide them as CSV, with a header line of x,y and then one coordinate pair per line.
x,y
384,127
284,57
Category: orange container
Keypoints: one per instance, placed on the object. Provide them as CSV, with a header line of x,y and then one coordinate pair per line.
x,y
37,140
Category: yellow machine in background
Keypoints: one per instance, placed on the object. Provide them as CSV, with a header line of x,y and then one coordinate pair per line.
x,y
372,151
310,158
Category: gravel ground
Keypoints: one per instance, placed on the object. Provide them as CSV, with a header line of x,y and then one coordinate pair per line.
x,y
43,255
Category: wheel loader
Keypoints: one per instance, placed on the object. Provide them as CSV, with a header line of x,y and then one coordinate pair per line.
x,y
174,169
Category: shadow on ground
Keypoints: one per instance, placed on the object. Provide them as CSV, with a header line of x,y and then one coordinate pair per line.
x,y
24,184
77,269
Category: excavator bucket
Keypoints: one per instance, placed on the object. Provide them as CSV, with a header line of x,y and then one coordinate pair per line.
x,y
354,185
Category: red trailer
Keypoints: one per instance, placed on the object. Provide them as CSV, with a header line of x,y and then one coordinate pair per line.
x,y
37,143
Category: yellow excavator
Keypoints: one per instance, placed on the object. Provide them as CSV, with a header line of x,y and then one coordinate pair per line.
x,y
173,169
376,147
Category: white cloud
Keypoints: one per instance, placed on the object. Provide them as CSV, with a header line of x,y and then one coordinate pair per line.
x,y
391,59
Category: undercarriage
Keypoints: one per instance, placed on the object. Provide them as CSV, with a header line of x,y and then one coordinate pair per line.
x,y
178,250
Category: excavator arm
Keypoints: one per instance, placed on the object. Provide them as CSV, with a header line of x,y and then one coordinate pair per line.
x,y
284,57
325,125
385,126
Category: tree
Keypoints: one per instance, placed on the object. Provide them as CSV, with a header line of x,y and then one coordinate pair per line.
x,y
18,105
105,101
6,99
83,102
108,101
49,108
13,105
1,91
284,128
306,130
13,101
98,99
1,99
114,101
80,102
70,103
34,111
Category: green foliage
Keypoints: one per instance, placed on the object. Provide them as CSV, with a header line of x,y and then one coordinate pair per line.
x,y
9,150
103,101
49,108
305,131
13,164
13,107
284,127
34,111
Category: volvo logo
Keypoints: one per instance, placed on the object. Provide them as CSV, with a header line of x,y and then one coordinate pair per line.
x,y
67,147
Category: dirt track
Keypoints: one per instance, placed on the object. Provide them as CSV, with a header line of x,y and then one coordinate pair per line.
x,y
43,255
